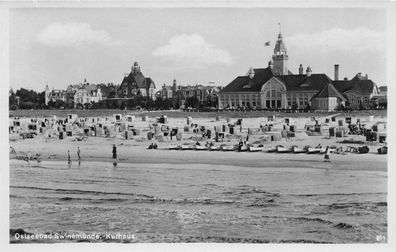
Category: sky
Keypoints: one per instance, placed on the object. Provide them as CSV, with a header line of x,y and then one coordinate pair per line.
x,y
61,46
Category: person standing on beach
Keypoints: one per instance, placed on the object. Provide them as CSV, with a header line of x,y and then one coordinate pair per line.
x,y
68,157
327,154
78,153
114,151
29,157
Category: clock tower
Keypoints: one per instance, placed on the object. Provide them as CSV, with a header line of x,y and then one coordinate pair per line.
x,y
280,57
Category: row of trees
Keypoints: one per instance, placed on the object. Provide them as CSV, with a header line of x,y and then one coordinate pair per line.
x,y
30,99
26,99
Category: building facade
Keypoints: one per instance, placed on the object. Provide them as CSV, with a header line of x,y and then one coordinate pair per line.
x,y
87,94
135,83
54,95
203,94
78,93
276,87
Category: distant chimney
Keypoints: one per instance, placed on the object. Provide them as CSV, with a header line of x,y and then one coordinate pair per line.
x,y
251,73
336,72
301,70
345,78
309,71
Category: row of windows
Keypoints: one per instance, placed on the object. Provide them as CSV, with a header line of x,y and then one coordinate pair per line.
x,y
243,103
301,102
270,93
247,97
358,100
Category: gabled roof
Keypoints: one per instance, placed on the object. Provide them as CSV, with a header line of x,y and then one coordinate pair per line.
x,y
363,86
245,84
136,78
149,82
91,87
293,82
329,91
302,82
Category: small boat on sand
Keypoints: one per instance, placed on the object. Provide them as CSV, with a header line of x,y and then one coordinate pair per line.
x,y
255,149
200,147
214,148
187,147
281,149
312,150
272,149
297,149
227,148
174,147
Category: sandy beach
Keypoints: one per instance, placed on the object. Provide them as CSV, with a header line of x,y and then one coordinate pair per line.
x,y
162,195
135,150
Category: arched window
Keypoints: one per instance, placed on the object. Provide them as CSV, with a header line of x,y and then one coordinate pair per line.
x,y
273,98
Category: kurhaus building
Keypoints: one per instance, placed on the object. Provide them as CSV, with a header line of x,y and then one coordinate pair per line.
x,y
277,87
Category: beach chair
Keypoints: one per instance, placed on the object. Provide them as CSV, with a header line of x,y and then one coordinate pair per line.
x,y
351,149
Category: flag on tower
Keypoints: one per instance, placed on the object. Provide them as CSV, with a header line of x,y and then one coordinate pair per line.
x,y
268,43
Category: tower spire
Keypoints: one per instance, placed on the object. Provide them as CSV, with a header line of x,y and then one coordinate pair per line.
x,y
280,56
280,30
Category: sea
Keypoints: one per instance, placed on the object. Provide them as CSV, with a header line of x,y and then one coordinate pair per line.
x,y
52,201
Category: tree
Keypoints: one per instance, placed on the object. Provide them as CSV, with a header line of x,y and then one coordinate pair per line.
x,y
79,106
192,102
87,105
28,99
12,100
41,100
27,105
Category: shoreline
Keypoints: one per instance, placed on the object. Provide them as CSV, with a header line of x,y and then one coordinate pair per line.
x,y
364,162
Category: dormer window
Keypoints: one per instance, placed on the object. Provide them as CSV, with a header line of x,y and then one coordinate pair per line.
x,y
246,86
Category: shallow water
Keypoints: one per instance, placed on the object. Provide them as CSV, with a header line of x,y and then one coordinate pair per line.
x,y
199,203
